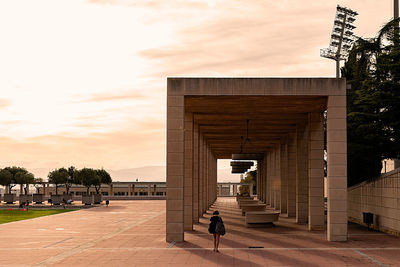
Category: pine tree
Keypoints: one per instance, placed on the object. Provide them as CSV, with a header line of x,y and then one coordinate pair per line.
x,y
373,70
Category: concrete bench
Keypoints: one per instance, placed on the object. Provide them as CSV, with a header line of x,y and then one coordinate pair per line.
x,y
252,207
247,201
261,218
238,198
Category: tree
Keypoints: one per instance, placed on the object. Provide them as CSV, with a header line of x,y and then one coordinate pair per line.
x,y
24,178
373,127
6,179
71,178
88,177
58,177
251,177
104,178
14,171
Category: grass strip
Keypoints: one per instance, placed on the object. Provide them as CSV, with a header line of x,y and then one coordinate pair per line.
x,y
16,214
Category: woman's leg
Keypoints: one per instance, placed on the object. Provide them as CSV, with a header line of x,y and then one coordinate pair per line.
x,y
217,241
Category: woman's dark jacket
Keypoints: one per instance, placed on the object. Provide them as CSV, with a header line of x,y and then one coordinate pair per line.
x,y
213,224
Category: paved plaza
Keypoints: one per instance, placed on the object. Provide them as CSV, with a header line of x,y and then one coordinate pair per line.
x,y
132,233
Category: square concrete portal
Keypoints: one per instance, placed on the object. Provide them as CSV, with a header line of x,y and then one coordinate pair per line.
x,y
280,118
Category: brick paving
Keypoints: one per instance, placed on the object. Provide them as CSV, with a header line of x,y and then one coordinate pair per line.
x,y
132,233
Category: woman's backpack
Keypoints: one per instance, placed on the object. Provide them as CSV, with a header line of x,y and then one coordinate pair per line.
x,y
219,227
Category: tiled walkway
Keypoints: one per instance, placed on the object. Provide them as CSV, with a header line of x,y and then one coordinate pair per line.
x,y
132,233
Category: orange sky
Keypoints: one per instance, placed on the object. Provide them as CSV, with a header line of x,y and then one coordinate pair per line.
x,y
84,82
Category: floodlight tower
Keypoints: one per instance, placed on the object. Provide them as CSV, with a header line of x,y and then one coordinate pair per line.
x,y
342,37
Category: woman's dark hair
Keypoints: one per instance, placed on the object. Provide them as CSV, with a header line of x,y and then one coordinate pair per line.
x,y
216,212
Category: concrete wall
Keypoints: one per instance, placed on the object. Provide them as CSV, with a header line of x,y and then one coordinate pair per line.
x,y
380,197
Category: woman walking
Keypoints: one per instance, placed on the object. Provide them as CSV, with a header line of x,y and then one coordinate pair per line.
x,y
216,228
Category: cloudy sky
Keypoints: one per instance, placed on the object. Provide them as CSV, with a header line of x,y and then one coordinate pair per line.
x,y
83,82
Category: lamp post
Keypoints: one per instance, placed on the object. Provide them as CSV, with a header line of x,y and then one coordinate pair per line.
x,y
342,37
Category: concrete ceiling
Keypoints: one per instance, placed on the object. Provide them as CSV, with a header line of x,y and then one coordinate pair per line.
x,y
222,120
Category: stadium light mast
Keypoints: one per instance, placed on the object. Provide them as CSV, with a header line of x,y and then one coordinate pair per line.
x,y
342,37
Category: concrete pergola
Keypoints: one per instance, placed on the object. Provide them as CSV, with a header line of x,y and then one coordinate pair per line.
x,y
206,118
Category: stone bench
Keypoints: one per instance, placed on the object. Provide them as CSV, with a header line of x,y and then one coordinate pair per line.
x,y
261,218
247,201
252,207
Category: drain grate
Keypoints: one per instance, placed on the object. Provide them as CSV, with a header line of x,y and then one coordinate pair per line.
x,y
255,247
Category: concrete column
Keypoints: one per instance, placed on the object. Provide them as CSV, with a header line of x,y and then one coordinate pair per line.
x,y
302,173
201,172
337,168
44,189
196,186
133,189
188,172
258,182
277,167
175,168
284,182
272,178
208,177
234,190
316,216
110,190
264,179
204,177
214,184
207,191
155,190
268,180
251,189
148,190
291,193
213,178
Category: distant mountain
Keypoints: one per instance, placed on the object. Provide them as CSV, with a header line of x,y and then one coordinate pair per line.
x,y
145,174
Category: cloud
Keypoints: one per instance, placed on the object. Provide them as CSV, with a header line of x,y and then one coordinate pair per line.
x,y
114,97
93,92
124,148
246,38
4,103
171,4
